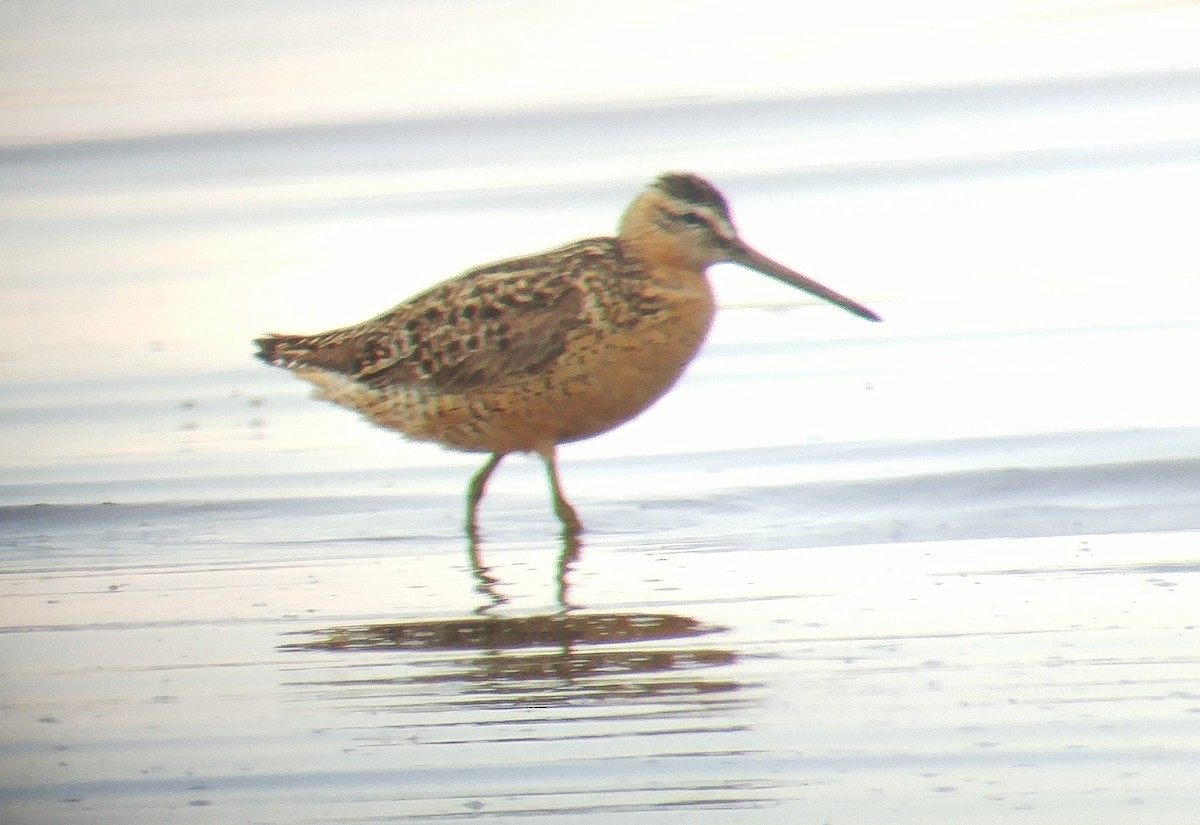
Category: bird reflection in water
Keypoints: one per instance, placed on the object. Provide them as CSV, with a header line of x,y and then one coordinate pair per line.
x,y
487,584
518,660
546,659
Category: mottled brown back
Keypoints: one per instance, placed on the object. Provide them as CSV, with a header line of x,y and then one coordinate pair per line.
x,y
488,327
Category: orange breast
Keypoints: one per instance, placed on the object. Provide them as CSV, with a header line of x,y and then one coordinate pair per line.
x,y
607,381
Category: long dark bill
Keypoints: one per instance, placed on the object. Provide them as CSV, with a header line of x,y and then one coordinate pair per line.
x,y
744,255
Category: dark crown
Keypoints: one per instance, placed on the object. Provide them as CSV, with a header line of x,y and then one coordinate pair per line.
x,y
693,189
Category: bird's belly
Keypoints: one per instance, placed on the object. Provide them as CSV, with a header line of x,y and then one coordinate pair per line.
x,y
599,391
609,377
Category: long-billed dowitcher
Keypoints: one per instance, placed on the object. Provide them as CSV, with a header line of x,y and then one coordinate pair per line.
x,y
525,354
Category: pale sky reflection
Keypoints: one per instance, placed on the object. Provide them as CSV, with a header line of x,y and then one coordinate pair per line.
x,y
77,70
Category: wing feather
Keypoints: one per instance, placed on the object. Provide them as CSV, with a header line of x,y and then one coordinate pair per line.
x,y
488,327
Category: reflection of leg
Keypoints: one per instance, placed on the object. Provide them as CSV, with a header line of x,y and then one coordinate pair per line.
x,y
562,508
485,582
475,492
570,552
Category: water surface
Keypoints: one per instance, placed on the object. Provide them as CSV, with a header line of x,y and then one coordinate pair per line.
x,y
934,569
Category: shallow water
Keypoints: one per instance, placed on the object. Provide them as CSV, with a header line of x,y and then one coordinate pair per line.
x,y
366,679
254,624
942,568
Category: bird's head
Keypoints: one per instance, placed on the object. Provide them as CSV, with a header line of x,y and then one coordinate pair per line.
x,y
683,220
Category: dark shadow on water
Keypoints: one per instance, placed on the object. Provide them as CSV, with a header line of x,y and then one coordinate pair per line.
x,y
497,633
560,657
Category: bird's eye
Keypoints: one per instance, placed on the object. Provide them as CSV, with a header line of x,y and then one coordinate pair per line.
x,y
694,219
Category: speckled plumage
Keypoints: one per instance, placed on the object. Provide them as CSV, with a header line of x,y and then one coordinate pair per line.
x,y
525,354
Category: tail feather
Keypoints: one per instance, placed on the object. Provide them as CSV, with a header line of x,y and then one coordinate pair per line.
x,y
308,358
268,349
331,351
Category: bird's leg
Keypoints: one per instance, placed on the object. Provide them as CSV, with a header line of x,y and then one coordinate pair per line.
x,y
572,526
475,492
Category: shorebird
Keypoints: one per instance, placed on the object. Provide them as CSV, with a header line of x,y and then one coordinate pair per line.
x,y
526,354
